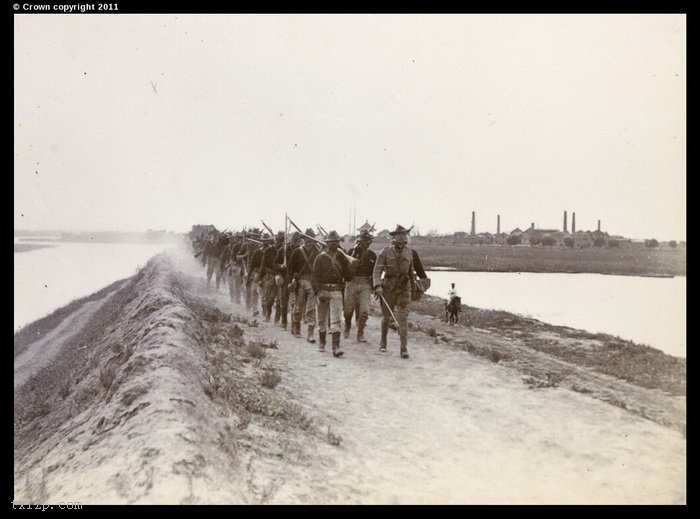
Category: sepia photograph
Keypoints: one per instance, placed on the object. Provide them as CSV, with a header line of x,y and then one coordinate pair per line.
x,y
363,259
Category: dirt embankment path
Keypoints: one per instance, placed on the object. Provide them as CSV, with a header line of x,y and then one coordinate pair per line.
x,y
185,418
41,352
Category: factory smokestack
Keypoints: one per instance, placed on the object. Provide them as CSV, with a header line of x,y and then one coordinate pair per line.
x,y
473,223
498,224
598,225
532,226
573,223
565,221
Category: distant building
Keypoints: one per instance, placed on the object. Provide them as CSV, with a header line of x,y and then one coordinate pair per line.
x,y
365,226
582,239
535,236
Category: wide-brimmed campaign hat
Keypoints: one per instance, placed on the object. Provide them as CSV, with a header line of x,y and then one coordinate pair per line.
x,y
365,236
399,230
310,232
332,236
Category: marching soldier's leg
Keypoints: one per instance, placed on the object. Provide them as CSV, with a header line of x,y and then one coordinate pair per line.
x,y
348,306
270,290
385,331
219,273
298,310
254,293
210,270
283,304
231,289
260,289
310,311
387,319
336,313
237,286
277,302
402,316
363,295
322,311
249,300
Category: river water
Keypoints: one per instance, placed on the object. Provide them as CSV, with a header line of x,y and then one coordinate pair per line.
x,y
49,278
646,310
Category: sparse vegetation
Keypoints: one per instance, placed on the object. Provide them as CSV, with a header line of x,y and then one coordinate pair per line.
x,y
64,390
333,438
270,378
550,379
256,350
107,376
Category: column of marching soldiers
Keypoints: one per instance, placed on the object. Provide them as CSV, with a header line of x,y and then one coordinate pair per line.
x,y
311,277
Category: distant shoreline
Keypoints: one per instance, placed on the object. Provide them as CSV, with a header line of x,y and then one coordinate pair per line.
x,y
457,271
26,247
631,261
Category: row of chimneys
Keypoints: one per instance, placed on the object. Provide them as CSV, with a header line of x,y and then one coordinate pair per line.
x,y
532,225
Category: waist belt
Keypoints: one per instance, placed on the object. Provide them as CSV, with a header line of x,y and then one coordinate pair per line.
x,y
331,287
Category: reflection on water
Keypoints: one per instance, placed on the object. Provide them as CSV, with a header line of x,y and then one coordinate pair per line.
x,y
642,309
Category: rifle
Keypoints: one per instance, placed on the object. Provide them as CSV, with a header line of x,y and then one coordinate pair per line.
x,y
286,229
272,233
305,235
347,256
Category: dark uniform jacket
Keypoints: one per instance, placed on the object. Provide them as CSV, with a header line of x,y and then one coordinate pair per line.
x,y
327,271
267,262
255,259
364,267
298,266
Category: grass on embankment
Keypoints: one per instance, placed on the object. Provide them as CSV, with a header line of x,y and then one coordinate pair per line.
x,y
39,328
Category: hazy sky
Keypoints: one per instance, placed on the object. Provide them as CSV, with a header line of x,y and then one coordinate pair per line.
x,y
132,122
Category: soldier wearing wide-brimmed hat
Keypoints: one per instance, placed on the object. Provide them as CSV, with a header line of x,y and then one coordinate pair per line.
x,y
235,268
299,276
359,288
330,272
398,264
280,270
211,256
253,255
267,287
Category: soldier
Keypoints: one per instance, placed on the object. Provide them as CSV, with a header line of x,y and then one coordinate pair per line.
x,y
222,251
331,271
395,289
207,245
283,292
235,267
299,275
212,256
359,288
251,266
268,289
